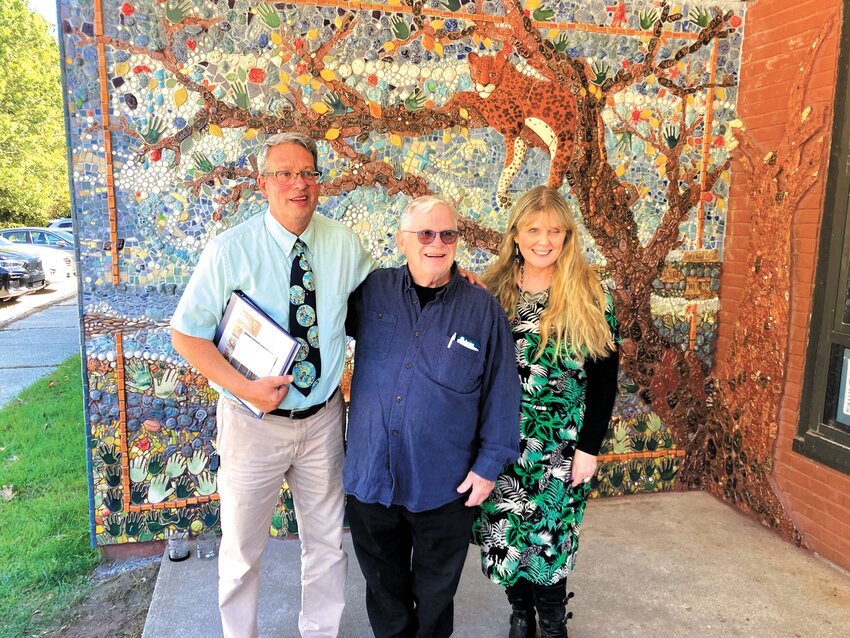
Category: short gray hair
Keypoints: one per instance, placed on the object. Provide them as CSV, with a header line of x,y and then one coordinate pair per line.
x,y
423,205
286,138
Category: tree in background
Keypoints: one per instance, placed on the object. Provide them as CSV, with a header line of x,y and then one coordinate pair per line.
x,y
33,168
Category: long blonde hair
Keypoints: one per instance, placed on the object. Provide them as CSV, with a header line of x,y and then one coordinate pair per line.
x,y
575,316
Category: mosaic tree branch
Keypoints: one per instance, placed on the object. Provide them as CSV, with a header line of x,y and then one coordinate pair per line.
x,y
680,203
424,29
362,119
219,174
215,111
367,171
625,78
716,29
316,64
684,91
517,30
244,178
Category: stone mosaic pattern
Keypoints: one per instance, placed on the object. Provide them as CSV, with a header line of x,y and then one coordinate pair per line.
x,y
168,99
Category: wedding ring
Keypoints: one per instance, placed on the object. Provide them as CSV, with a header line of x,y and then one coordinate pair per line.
x,y
586,479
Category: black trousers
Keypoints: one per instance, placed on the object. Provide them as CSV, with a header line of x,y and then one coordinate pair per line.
x,y
412,563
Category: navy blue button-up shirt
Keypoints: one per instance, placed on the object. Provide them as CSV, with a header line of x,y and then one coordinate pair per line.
x,y
435,392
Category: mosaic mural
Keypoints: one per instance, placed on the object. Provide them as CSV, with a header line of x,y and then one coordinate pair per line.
x,y
629,115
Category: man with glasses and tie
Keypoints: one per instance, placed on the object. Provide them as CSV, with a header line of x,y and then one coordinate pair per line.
x,y
432,421
300,269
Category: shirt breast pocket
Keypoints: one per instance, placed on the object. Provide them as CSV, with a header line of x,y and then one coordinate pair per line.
x,y
376,335
459,368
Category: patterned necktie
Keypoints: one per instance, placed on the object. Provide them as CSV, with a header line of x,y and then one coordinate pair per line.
x,y
303,324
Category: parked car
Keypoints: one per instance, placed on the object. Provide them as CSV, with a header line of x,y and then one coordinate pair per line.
x,y
19,274
58,263
66,224
39,237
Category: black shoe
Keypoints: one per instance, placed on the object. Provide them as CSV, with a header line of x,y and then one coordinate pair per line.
x,y
551,602
522,627
554,627
521,597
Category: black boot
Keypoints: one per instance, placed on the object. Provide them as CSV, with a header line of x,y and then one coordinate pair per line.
x,y
551,602
521,597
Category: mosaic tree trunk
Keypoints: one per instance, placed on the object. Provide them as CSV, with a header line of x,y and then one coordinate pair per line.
x,y
740,432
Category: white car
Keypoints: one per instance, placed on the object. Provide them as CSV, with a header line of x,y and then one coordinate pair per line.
x,y
58,264
65,224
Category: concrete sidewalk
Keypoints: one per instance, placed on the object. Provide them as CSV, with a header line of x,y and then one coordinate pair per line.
x,y
29,304
660,565
32,345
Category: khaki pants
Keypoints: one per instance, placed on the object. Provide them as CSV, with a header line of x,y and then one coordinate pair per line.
x,y
256,455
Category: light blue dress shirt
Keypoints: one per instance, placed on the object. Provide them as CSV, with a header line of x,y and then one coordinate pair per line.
x,y
256,257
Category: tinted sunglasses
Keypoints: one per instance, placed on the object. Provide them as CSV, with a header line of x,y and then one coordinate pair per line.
x,y
428,236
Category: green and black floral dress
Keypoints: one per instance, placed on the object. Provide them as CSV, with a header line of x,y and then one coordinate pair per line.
x,y
529,526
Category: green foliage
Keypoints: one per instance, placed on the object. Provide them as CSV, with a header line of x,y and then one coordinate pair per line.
x,y
33,167
45,555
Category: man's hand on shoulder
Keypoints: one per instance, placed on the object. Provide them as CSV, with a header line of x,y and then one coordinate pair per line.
x,y
266,392
480,489
471,277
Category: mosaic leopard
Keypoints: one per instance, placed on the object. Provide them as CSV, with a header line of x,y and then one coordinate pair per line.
x,y
527,111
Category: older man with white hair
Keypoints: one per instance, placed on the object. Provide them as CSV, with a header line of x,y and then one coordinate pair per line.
x,y
433,419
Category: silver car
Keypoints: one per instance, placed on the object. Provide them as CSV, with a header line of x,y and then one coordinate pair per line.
x,y
40,237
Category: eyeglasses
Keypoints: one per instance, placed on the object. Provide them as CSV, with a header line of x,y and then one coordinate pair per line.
x,y
290,177
428,236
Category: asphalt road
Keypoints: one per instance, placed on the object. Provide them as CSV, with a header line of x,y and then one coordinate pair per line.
x,y
38,331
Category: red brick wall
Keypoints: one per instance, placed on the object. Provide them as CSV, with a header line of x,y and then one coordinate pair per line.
x,y
777,33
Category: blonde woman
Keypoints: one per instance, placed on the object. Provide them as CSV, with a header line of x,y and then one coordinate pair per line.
x,y
565,331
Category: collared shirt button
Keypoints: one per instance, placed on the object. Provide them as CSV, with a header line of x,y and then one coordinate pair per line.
x,y
398,399
408,365
395,432
415,300
418,333
380,315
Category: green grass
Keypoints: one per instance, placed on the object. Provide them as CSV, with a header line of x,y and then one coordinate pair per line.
x,y
45,554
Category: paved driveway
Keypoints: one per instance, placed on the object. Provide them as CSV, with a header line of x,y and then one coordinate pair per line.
x,y
25,305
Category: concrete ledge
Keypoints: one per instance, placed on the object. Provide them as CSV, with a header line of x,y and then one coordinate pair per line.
x,y
129,551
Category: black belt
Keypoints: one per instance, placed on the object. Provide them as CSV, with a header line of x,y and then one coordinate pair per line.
x,y
306,412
